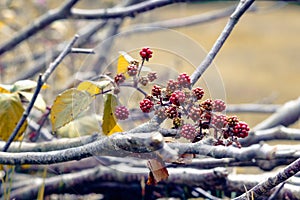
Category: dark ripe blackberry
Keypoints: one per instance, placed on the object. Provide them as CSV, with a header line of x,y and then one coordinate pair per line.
x,y
156,91
172,112
219,105
188,131
121,112
146,53
198,93
177,122
184,80
195,113
207,104
119,78
241,129
171,86
152,76
146,105
219,121
177,98
143,80
132,70
232,121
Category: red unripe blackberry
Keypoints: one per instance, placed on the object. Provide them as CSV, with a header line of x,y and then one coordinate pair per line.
x,y
152,76
219,121
171,86
156,90
232,121
119,78
195,113
171,112
219,105
121,112
177,98
241,129
198,93
207,104
184,80
146,105
188,131
143,80
132,70
146,53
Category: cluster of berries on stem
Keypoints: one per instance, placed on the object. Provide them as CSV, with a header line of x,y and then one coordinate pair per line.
x,y
192,116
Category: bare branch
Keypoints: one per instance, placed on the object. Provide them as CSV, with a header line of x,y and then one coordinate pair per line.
x,y
265,186
252,108
234,18
37,25
129,11
276,133
286,115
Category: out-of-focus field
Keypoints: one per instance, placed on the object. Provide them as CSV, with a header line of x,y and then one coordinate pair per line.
x,y
258,63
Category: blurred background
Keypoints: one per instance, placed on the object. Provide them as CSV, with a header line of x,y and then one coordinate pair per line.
x,y
259,62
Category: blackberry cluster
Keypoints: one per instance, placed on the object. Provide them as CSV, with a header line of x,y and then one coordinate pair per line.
x,y
146,53
121,113
132,69
119,78
146,105
193,117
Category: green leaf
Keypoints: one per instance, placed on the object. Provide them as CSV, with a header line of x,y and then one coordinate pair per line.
x,y
11,110
23,85
85,125
67,106
93,87
39,102
109,122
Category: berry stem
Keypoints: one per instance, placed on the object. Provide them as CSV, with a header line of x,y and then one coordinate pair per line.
x,y
141,66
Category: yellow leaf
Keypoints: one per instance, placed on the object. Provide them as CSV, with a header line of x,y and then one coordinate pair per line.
x,y
5,88
11,110
109,122
123,61
115,129
93,87
67,106
39,102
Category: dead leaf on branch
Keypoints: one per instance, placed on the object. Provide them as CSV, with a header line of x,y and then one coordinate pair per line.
x,y
109,122
158,171
11,110
67,106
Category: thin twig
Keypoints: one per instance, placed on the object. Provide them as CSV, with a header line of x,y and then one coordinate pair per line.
x,y
82,51
265,186
37,25
234,18
42,79
129,11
